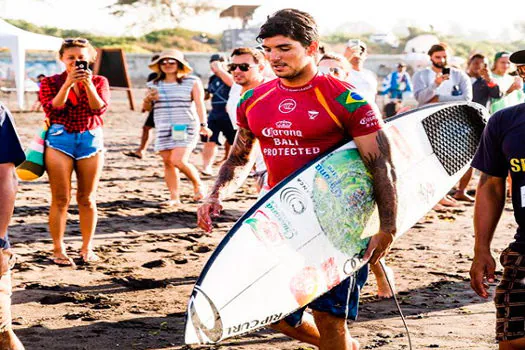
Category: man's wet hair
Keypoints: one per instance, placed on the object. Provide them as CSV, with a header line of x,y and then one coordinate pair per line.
x,y
294,24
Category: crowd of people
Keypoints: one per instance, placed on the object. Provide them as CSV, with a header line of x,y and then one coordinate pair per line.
x,y
244,88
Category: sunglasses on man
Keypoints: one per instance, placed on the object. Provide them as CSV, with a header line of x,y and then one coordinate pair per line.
x,y
244,67
75,41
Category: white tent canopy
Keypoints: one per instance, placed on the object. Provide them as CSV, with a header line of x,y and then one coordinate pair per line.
x,y
18,41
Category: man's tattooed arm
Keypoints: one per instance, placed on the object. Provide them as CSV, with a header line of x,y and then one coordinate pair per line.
x,y
236,165
379,161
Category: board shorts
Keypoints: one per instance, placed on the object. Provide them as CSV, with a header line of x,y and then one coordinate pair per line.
x,y
150,121
223,125
342,301
77,145
510,297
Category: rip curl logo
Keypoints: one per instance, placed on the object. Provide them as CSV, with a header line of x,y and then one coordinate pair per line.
x,y
287,106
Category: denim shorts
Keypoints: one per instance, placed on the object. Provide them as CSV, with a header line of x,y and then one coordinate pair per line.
x,y
342,301
77,145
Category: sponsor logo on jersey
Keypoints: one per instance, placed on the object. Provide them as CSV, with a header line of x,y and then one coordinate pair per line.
x,y
368,120
313,114
272,132
351,100
287,106
283,124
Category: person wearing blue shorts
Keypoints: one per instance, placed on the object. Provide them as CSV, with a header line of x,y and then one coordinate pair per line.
x,y
218,119
75,103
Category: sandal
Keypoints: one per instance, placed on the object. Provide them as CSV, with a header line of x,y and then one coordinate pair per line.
x,y
448,201
207,173
63,260
89,257
462,196
132,155
170,203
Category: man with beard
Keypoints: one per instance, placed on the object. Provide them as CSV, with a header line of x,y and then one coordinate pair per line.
x,y
441,83
318,111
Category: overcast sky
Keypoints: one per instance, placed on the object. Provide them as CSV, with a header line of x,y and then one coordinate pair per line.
x,y
462,17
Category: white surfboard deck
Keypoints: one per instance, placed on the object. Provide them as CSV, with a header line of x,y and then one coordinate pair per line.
x,y
310,232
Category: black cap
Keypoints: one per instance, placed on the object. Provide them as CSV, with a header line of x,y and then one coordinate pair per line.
x,y
518,57
217,57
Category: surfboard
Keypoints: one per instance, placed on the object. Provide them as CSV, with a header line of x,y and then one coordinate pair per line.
x,y
33,167
311,230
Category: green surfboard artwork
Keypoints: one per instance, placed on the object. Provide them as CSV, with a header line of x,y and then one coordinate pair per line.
x,y
344,200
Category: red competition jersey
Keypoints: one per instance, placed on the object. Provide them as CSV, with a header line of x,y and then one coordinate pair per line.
x,y
296,125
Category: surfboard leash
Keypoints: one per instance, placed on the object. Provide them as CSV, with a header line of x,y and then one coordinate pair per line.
x,y
382,263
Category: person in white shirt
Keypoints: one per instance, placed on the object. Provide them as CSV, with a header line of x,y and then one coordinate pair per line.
x,y
364,80
248,69
440,83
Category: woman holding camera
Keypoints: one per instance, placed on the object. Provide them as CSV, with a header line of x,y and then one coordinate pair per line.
x,y
75,103
180,116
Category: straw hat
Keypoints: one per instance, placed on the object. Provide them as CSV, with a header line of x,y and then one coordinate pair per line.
x,y
171,53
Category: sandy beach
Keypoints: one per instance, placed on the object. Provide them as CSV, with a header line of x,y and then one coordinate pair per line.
x,y
136,297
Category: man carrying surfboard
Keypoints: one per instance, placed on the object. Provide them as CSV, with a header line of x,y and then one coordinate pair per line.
x,y
501,151
296,118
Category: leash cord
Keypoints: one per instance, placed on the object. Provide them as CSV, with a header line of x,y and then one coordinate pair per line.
x,y
397,304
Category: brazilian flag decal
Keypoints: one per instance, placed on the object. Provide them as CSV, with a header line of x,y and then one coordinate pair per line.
x,y
245,96
351,100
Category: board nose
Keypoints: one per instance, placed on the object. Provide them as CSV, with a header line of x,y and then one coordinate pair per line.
x,y
203,321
